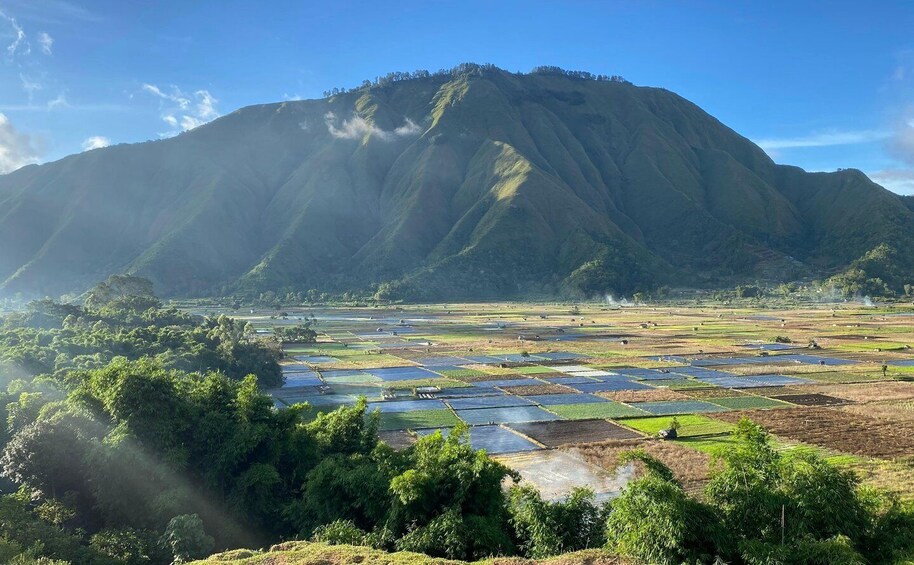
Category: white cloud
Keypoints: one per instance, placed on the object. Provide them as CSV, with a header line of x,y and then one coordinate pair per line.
x,y
96,142
896,180
46,42
183,112
17,149
825,139
358,127
59,102
29,85
18,44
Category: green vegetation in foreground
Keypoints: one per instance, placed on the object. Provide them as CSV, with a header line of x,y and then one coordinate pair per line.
x,y
309,553
138,461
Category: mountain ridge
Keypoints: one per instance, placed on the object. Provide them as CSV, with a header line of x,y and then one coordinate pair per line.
x,y
471,184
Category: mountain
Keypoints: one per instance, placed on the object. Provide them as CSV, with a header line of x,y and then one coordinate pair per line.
x,y
471,183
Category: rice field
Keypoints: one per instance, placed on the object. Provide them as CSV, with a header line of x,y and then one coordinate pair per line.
x,y
528,378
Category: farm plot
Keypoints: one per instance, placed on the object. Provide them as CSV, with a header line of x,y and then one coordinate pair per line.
x,y
616,384
749,402
898,410
690,425
391,406
506,415
538,389
673,407
494,439
689,466
492,401
813,399
555,474
563,432
556,399
418,419
402,374
646,395
398,439
608,409
869,392
833,429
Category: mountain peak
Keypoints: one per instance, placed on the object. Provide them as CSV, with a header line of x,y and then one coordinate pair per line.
x,y
468,183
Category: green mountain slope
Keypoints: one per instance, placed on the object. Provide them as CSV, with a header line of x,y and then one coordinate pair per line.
x,y
469,184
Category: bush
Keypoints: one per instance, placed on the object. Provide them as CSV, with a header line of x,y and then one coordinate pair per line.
x,y
340,532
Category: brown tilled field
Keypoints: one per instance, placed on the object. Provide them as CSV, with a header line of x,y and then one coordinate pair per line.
x,y
834,429
691,467
533,390
655,395
564,432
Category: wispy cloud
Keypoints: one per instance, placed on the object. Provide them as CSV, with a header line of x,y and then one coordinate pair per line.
x,y
46,43
17,149
30,85
52,12
824,139
900,181
13,33
183,112
96,142
358,127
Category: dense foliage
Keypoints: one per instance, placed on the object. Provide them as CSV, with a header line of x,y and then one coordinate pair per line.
x,y
51,338
116,453
761,506
879,272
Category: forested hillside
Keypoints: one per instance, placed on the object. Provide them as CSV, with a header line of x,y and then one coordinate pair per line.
x,y
468,183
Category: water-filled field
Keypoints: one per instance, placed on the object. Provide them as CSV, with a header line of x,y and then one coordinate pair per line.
x,y
591,381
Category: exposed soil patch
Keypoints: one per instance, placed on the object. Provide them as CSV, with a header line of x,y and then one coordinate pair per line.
x,y
563,432
398,439
704,393
834,429
653,395
811,399
532,390
691,467
895,411
864,392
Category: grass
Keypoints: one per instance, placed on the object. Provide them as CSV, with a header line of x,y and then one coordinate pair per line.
x,y
418,419
312,553
679,384
594,410
460,373
690,425
709,445
440,383
534,370
748,402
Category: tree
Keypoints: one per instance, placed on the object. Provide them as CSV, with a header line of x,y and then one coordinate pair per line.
x,y
656,521
544,529
186,539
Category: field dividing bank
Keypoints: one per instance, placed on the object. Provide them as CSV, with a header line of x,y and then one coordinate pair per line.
x,y
531,378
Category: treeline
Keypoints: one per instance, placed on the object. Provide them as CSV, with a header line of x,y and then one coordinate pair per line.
x,y
464,69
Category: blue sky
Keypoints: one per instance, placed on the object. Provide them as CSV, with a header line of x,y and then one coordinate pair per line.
x,y
821,85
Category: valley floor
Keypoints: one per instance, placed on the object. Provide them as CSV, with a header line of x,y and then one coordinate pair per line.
x,y
557,391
